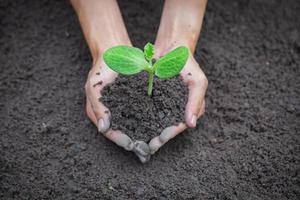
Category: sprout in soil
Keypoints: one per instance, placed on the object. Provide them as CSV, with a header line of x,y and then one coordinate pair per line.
x,y
130,60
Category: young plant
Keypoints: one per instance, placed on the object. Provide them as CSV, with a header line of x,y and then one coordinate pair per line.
x,y
130,60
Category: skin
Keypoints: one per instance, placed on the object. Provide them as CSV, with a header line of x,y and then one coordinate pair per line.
x,y
103,27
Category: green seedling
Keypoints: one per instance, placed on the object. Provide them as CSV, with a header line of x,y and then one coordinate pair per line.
x,y
130,60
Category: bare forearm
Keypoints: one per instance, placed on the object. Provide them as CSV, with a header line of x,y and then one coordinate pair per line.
x,y
180,24
102,24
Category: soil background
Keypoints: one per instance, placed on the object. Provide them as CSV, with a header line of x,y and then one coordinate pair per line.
x,y
247,146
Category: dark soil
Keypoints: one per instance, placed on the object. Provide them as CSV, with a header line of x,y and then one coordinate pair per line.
x,y
142,117
247,146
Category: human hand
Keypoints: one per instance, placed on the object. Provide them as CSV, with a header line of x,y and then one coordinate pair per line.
x,y
100,76
196,81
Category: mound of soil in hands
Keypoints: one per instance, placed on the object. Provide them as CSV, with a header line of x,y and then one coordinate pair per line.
x,y
142,117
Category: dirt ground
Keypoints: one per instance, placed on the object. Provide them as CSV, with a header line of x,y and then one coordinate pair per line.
x,y
246,147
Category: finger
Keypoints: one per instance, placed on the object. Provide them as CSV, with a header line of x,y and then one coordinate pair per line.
x,y
93,118
120,139
142,150
167,134
102,114
197,88
93,89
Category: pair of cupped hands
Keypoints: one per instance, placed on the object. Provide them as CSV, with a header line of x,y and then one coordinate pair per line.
x,y
101,75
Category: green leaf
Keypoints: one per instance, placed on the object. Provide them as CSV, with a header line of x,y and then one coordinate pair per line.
x,y
172,63
149,51
125,60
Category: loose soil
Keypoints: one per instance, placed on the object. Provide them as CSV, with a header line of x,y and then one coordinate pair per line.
x,y
142,117
247,145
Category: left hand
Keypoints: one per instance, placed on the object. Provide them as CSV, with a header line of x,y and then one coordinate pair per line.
x,y
100,76
196,81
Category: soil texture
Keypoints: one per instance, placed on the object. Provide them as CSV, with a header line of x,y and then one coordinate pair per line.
x,y
246,146
142,117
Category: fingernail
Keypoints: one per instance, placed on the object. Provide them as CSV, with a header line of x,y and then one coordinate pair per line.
x,y
194,120
100,125
103,125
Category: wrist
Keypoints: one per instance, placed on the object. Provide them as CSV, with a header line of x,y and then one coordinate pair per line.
x,y
101,33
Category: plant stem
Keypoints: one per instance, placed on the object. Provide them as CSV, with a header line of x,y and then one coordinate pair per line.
x,y
150,83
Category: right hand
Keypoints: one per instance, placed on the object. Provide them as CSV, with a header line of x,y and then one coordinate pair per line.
x,y
196,81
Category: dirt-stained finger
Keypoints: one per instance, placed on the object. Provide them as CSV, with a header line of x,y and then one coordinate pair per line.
x,y
97,80
120,139
167,134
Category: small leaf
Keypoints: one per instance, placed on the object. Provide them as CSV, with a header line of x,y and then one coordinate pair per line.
x,y
125,60
172,63
149,51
